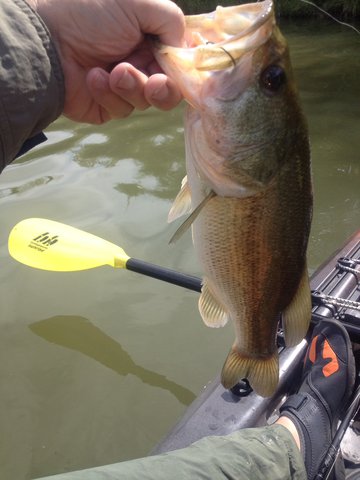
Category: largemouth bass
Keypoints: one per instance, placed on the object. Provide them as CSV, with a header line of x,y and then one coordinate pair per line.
x,y
248,183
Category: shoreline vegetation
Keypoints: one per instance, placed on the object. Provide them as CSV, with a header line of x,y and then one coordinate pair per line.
x,y
343,9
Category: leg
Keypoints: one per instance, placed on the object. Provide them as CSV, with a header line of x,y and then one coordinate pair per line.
x,y
254,453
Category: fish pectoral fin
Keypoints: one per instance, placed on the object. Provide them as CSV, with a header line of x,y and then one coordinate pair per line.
x,y
211,310
262,372
296,316
182,202
191,218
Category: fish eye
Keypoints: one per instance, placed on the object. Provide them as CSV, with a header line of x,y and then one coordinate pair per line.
x,y
272,79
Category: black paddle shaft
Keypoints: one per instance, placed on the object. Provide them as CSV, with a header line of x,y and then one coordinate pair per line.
x,y
164,274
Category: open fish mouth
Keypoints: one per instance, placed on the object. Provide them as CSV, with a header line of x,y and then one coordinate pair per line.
x,y
216,40
221,37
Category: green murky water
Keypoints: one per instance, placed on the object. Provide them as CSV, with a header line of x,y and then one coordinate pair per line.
x,y
96,366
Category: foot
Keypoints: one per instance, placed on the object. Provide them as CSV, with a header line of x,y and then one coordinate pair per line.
x,y
328,381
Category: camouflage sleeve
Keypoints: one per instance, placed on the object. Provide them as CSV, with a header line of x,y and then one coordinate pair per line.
x,y
31,79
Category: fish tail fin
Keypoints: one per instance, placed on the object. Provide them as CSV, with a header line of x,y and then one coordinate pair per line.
x,y
296,317
262,373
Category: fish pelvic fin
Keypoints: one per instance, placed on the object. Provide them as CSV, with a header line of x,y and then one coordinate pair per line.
x,y
182,202
296,316
213,313
191,218
261,372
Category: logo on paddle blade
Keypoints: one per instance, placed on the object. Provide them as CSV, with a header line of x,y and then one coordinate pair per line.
x,y
43,242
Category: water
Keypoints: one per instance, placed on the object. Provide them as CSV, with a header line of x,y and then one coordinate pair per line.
x,y
96,366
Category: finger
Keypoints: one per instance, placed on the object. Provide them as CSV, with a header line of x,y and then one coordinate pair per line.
x,y
111,104
161,92
128,83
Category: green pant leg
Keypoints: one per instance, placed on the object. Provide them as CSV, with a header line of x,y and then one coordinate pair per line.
x,y
255,453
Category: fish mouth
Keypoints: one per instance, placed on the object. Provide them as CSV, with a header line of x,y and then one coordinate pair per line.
x,y
216,41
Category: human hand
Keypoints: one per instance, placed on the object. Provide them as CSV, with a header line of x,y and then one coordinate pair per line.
x,y
108,64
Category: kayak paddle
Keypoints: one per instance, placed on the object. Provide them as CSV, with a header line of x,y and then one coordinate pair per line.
x,y
54,246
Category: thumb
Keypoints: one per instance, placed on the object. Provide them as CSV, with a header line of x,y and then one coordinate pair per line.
x,y
162,18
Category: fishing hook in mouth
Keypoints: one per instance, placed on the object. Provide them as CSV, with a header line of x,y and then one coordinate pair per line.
x,y
224,50
229,54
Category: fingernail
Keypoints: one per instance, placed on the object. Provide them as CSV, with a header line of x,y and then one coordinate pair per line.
x,y
100,81
127,81
161,93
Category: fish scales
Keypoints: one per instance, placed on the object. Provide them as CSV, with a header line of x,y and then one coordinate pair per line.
x,y
259,267
248,183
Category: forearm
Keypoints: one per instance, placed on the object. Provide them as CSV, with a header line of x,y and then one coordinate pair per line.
x,y
31,78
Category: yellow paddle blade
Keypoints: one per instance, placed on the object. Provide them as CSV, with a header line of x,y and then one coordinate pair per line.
x,y
50,245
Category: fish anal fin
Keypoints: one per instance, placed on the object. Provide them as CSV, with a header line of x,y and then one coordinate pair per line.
x,y
211,310
296,316
182,202
261,372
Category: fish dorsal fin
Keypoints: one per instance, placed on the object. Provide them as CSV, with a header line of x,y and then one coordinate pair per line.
x,y
211,310
191,218
182,202
296,316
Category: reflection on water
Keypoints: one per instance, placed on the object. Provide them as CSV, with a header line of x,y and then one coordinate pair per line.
x,y
80,335
63,411
19,189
